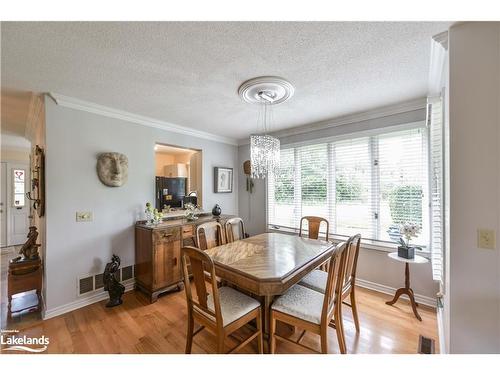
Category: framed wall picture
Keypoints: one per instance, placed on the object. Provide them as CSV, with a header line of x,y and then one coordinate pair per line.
x,y
223,180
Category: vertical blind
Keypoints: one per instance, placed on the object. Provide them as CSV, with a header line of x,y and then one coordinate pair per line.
x,y
368,185
436,170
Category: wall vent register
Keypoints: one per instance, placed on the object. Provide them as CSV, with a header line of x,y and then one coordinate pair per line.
x,y
91,283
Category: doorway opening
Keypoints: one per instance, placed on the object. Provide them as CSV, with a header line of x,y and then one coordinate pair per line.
x,y
178,178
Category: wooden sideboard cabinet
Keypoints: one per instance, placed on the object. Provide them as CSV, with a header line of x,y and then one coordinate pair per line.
x,y
158,260
158,267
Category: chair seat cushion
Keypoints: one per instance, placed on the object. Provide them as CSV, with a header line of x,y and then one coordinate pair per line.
x,y
316,280
233,304
301,302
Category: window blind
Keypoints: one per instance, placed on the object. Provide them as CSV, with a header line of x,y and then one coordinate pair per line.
x,y
436,170
368,185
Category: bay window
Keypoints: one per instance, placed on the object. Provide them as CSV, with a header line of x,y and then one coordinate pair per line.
x,y
362,184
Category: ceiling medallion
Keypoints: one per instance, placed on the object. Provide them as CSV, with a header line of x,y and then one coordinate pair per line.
x,y
278,90
264,148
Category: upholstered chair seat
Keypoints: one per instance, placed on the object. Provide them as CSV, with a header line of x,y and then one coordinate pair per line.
x,y
301,302
316,280
233,304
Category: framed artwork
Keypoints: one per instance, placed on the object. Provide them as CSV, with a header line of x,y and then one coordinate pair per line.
x,y
223,180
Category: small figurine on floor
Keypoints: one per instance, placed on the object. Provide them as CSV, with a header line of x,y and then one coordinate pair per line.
x,y
111,285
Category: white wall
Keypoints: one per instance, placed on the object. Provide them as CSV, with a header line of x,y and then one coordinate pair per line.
x,y
374,266
474,276
73,140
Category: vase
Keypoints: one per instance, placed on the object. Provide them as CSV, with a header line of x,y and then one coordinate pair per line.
x,y
406,252
216,211
149,218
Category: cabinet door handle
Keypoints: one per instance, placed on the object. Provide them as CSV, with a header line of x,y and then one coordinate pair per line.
x,y
174,261
165,235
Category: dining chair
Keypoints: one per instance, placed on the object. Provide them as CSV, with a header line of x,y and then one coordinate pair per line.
x,y
222,311
311,310
317,279
212,235
313,225
235,229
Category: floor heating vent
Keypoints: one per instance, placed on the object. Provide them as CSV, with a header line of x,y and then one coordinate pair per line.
x,y
90,283
86,285
426,345
99,281
127,273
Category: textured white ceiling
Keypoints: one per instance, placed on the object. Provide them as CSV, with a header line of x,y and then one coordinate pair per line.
x,y
188,73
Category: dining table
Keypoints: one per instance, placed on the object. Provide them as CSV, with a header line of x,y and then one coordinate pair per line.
x,y
268,264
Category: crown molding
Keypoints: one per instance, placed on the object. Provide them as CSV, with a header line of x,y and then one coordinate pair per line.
x,y
439,50
81,105
442,38
393,109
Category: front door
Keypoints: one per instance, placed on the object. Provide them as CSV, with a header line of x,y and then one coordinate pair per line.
x,y
3,206
18,208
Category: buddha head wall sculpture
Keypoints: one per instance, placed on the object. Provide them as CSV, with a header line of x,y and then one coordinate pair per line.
x,y
112,168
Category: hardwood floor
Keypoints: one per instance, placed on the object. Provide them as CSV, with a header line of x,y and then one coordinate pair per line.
x,y
140,327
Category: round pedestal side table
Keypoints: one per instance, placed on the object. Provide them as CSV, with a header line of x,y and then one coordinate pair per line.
x,y
407,289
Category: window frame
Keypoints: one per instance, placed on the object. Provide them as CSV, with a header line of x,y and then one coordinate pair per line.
x,y
377,245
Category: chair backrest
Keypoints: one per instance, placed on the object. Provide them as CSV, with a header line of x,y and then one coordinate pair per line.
x,y
200,262
351,263
313,224
334,281
235,229
212,235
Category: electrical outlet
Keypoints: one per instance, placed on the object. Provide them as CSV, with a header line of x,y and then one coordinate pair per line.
x,y
84,216
486,239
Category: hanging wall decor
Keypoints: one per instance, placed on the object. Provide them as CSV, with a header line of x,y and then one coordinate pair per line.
x,y
112,168
223,180
37,193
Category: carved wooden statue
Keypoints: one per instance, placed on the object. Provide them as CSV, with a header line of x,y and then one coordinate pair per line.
x,y
29,250
111,285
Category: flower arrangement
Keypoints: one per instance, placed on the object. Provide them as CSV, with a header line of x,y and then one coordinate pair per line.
x,y
157,216
190,211
408,231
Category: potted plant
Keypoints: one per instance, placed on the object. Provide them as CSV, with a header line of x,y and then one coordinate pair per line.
x,y
408,231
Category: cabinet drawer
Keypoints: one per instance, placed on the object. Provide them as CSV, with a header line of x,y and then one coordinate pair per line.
x,y
166,235
187,231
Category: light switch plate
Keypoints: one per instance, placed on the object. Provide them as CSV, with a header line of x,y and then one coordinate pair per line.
x,y
486,239
84,216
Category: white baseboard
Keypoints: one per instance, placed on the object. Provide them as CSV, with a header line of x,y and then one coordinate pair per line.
x,y
424,300
84,301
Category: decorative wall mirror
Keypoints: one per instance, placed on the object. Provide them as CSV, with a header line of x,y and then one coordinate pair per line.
x,y
37,193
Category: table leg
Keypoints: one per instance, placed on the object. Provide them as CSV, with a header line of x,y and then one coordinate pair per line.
x,y
408,291
265,320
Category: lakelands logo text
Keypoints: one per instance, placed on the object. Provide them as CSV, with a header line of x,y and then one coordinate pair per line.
x,y
10,342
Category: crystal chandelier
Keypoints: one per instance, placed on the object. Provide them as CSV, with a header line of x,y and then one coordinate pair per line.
x,y
264,148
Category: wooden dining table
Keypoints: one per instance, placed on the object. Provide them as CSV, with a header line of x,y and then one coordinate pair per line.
x,y
268,264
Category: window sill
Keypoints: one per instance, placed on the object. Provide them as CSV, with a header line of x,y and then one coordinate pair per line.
x,y
365,244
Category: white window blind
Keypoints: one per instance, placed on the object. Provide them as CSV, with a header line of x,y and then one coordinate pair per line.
x,y
436,138
366,185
